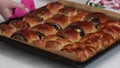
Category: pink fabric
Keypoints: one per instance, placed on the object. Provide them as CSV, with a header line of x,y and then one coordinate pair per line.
x,y
114,4
18,12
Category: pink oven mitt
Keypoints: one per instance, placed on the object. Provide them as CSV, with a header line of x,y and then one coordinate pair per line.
x,y
18,12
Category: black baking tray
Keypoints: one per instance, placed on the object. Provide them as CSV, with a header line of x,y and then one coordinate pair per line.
x,y
37,51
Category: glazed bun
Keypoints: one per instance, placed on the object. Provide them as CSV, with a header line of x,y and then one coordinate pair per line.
x,y
6,30
96,18
54,7
25,35
19,24
68,11
32,19
43,13
59,21
45,29
80,16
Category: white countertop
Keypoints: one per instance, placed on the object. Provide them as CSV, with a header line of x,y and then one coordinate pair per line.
x,y
13,58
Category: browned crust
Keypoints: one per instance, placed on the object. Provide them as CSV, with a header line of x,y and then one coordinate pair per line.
x,y
44,29
59,19
6,30
19,24
43,12
32,19
28,35
54,7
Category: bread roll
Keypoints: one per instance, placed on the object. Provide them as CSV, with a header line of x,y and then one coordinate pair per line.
x,y
85,27
19,24
42,43
43,12
68,11
44,29
82,50
113,28
25,36
32,19
79,16
109,23
59,21
54,7
96,18
100,40
69,34
57,44
6,30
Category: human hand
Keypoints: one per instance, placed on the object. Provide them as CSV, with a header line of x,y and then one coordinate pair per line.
x,y
7,7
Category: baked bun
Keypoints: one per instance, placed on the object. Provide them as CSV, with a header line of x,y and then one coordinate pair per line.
x,y
96,18
6,30
82,50
68,11
45,29
83,54
43,13
54,7
25,35
113,31
32,19
79,16
83,27
100,40
57,44
113,28
109,23
19,24
59,21
69,34
42,43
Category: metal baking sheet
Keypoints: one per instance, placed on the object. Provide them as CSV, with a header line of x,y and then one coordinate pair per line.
x,y
53,57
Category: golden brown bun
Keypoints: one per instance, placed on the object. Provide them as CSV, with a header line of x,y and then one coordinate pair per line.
x,y
32,19
72,47
39,43
113,28
60,20
86,27
100,40
6,30
42,43
69,34
68,11
54,7
85,53
113,31
96,18
79,16
19,24
109,23
57,44
82,50
44,29
43,12
25,35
